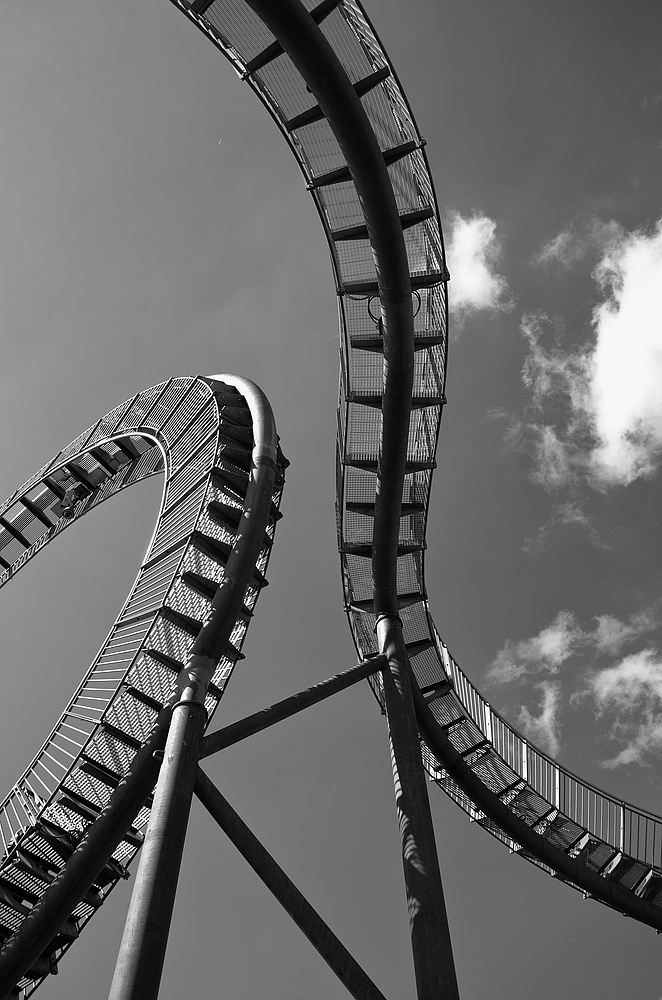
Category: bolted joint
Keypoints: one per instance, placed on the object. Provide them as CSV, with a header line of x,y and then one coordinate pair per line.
x,y
195,678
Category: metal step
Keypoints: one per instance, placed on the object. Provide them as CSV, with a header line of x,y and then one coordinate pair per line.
x,y
229,517
342,174
315,114
274,50
207,588
375,401
176,666
417,281
221,550
365,548
376,344
404,601
369,508
77,803
407,220
371,465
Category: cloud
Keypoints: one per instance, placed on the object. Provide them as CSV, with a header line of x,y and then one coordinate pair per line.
x,y
564,515
595,416
545,652
632,692
625,389
544,728
583,238
611,634
473,254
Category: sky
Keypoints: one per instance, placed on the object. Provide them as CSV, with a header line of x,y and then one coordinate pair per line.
x,y
154,224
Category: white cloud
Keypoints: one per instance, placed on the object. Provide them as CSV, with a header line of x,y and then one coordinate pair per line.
x,y
473,254
597,411
625,390
544,728
631,691
545,652
611,634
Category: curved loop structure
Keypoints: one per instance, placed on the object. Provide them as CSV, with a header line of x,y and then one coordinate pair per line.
x,y
387,444
216,439
322,73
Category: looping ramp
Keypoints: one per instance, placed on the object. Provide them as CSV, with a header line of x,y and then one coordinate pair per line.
x,y
322,73
596,843
213,437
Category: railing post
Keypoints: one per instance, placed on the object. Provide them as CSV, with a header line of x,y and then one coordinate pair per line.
x,y
430,936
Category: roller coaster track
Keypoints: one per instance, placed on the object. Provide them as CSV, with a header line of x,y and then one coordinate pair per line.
x,y
215,439
324,77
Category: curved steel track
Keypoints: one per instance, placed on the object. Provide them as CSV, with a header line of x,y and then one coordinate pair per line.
x,y
216,440
324,77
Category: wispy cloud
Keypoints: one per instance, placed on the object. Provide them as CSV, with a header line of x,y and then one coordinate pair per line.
x,y
546,652
631,691
545,727
611,635
474,250
564,515
543,653
595,416
583,238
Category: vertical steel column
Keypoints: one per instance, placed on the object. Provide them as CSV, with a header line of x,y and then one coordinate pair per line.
x,y
430,936
142,952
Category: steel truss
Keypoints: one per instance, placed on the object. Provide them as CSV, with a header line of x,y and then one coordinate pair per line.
x,y
322,73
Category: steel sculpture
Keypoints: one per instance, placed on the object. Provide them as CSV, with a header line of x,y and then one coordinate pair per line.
x,y
224,472
324,77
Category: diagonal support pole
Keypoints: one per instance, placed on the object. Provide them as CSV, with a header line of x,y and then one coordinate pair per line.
x,y
255,723
320,935
102,837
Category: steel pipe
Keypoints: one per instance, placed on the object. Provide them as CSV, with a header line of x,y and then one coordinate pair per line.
x,y
323,72
142,951
431,943
291,899
313,56
255,723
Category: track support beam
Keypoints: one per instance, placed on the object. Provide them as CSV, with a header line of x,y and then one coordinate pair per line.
x,y
255,723
430,936
320,935
142,951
